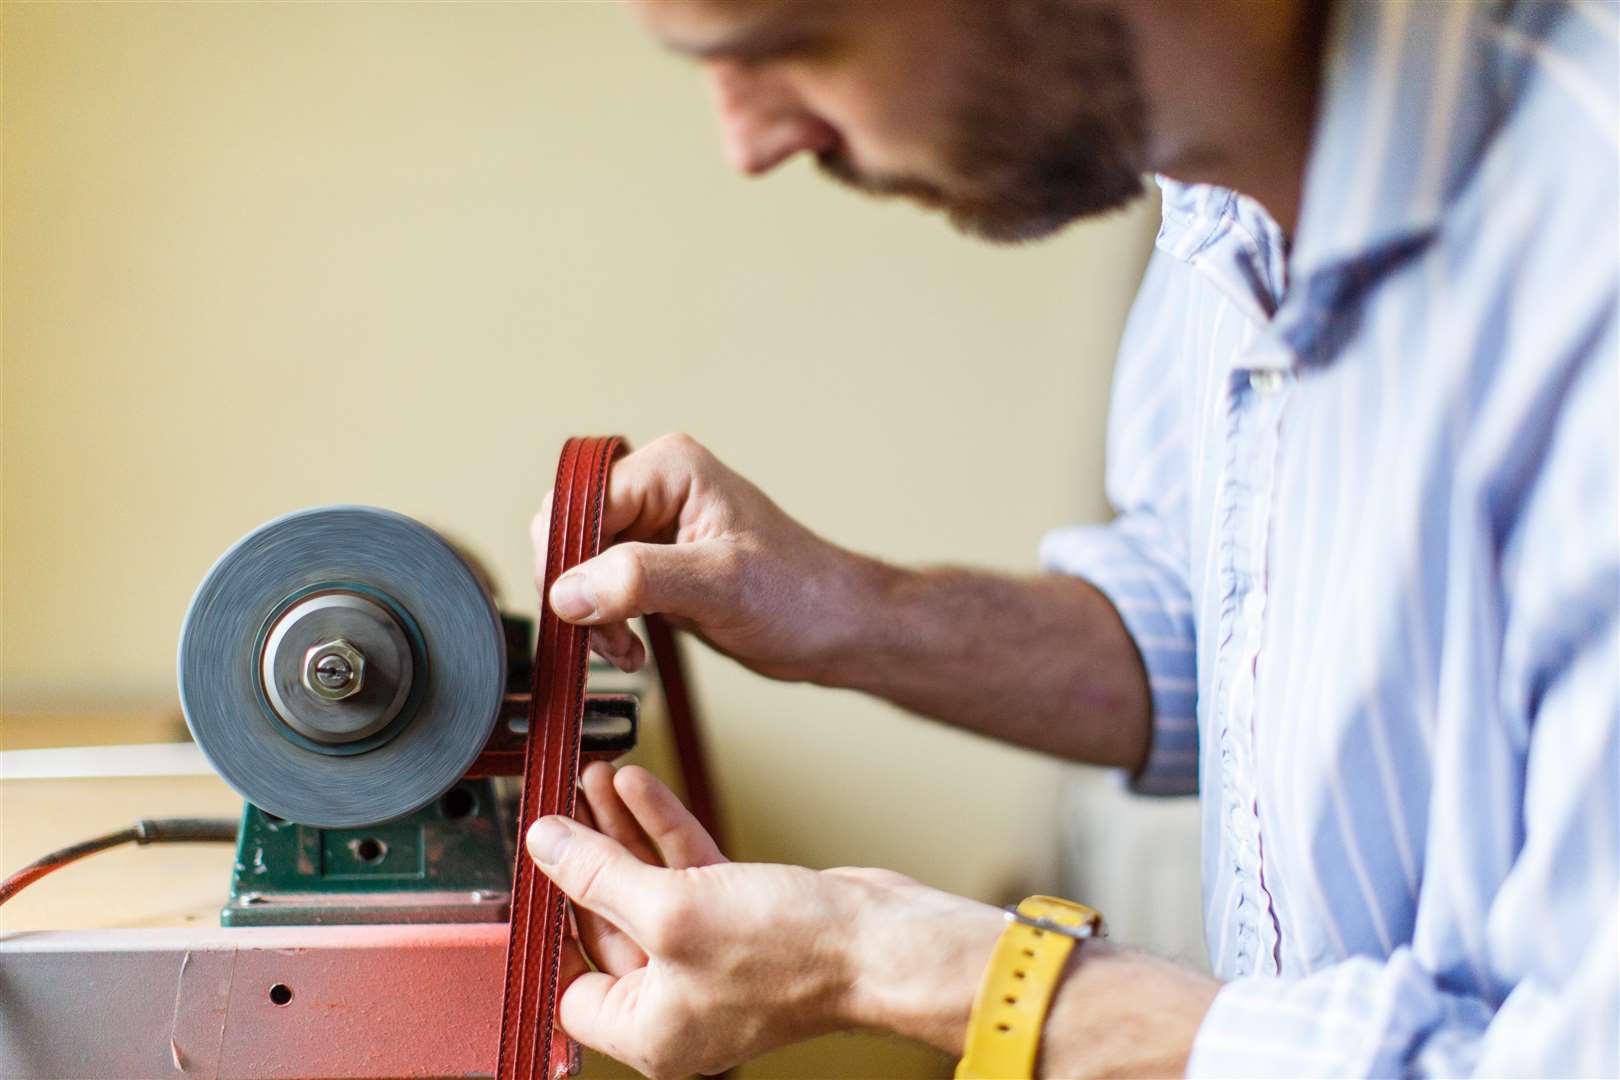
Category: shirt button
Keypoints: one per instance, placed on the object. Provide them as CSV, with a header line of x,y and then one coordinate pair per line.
x,y
1265,381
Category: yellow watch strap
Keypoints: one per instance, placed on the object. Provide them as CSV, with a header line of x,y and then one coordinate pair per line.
x,y
1004,1031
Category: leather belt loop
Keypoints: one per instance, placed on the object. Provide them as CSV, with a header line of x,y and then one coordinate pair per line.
x,y
684,729
532,1044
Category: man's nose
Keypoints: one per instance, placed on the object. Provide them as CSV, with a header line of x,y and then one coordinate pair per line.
x,y
763,123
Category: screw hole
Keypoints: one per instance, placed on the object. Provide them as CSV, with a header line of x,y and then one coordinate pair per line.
x,y
1003,1028
1010,999
1018,974
280,994
368,849
457,803
1029,952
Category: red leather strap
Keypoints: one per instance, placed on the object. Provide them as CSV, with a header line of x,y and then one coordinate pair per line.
x,y
532,1044
689,752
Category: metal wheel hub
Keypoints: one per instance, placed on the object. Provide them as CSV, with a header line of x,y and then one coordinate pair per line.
x,y
336,667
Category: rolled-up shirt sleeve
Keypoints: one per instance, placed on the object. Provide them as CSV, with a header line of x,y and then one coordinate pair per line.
x,y
1132,561
1139,560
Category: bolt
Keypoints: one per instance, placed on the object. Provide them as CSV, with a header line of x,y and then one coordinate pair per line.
x,y
334,670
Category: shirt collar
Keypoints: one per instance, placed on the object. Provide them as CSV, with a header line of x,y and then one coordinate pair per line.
x,y
1406,108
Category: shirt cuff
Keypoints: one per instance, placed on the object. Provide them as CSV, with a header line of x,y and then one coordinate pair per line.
x,y
1152,599
1359,1017
1253,1030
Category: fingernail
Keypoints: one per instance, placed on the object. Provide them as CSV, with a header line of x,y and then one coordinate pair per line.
x,y
572,596
547,838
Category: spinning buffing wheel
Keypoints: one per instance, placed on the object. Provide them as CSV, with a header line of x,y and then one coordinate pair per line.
x,y
341,666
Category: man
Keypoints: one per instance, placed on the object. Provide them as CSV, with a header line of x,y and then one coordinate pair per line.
x,y
1363,592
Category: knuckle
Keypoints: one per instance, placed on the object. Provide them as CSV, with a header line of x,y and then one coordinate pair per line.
x,y
587,871
681,441
655,932
673,925
736,580
681,445
730,562
629,572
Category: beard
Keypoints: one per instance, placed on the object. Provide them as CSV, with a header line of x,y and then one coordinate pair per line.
x,y
1048,124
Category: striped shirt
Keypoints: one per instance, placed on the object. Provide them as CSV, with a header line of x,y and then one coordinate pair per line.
x,y
1368,545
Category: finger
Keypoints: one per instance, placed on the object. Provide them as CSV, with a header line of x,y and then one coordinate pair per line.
x,y
609,948
583,815
647,490
680,838
597,873
634,578
612,817
614,642
573,964
618,645
596,1010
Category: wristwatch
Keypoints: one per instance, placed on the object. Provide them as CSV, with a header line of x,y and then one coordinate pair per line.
x,y
1004,1030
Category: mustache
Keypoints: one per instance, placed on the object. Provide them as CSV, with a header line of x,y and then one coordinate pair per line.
x,y
837,165
1014,213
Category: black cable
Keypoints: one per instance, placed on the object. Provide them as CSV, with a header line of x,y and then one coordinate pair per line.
x,y
144,831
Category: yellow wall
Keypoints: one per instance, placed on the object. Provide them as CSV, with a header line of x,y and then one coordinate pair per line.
x,y
258,257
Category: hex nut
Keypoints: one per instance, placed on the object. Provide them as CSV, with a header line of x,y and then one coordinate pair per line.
x,y
334,670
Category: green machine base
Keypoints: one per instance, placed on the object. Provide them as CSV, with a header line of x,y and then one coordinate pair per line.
x,y
449,862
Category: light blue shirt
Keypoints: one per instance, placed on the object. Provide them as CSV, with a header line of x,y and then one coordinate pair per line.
x,y
1368,546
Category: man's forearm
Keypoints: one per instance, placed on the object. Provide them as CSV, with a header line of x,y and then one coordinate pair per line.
x,y
917,957
1042,661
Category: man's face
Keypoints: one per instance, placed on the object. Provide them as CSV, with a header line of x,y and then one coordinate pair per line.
x,y
1013,117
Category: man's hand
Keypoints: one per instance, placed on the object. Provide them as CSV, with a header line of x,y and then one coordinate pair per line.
x,y
701,963
1043,661
693,540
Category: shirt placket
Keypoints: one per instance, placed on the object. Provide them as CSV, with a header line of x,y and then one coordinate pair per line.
x,y
1254,414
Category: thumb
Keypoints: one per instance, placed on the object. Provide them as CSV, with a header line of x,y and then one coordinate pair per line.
x,y
632,579
594,871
